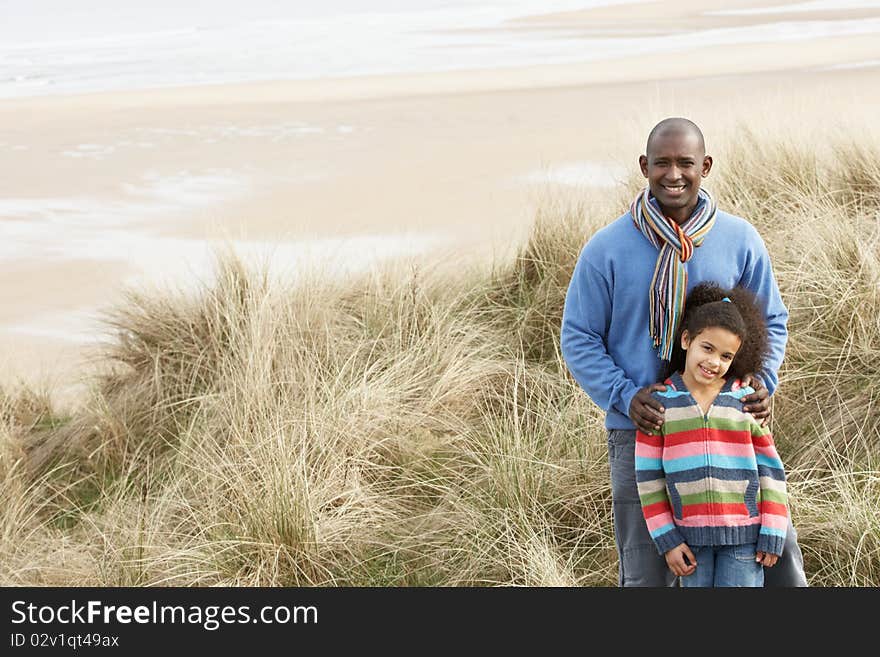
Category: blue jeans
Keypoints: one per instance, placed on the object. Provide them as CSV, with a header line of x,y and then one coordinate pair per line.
x,y
724,565
639,562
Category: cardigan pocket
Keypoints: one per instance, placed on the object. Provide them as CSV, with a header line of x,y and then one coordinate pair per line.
x,y
674,500
751,497
706,495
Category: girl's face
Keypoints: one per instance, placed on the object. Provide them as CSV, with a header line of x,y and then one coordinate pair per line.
x,y
708,355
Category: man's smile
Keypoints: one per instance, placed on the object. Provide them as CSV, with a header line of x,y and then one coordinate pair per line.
x,y
674,190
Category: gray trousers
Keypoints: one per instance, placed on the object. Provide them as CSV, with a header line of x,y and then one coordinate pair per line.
x,y
639,562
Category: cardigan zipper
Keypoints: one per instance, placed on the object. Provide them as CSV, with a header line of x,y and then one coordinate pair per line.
x,y
709,496
709,499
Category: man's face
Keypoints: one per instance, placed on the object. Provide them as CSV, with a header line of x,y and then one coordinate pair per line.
x,y
674,166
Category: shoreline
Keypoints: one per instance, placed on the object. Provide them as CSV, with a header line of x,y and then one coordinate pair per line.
x,y
707,61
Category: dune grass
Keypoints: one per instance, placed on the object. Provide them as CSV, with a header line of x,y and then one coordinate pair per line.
x,y
417,426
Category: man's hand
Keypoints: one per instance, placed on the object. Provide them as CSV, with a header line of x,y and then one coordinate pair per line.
x,y
645,411
766,559
758,403
675,559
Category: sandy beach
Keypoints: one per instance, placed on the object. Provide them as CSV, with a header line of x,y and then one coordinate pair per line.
x,y
105,190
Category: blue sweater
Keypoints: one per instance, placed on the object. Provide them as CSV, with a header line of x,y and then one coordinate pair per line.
x,y
605,340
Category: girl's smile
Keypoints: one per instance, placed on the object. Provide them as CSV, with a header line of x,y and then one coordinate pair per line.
x,y
707,373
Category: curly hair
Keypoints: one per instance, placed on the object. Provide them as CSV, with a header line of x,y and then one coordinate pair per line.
x,y
704,308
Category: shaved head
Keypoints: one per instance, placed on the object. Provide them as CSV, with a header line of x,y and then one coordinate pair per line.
x,y
674,163
678,126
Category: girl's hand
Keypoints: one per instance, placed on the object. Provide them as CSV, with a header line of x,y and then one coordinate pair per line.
x,y
675,559
766,559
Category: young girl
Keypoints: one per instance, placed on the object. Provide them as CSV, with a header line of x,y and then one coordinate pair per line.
x,y
711,484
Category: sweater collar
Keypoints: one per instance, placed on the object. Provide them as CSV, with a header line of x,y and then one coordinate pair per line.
x,y
678,383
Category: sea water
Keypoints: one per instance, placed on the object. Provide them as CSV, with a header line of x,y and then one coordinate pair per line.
x,y
75,46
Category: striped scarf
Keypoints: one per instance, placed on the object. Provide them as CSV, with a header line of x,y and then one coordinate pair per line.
x,y
676,245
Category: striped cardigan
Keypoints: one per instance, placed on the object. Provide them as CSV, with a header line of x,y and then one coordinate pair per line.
x,y
713,479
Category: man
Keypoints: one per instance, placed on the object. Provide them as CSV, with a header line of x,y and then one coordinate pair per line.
x,y
622,309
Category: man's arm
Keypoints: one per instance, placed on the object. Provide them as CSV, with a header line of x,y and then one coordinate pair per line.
x,y
758,277
585,321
